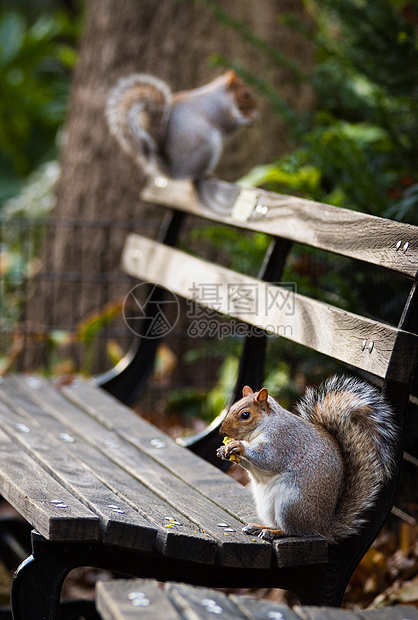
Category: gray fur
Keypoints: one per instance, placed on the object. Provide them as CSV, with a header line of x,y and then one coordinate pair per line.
x,y
365,430
318,471
131,128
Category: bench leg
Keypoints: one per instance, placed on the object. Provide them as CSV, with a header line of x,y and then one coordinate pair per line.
x,y
36,586
315,584
320,587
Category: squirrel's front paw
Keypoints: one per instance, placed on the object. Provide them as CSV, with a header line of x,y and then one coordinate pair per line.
x,y
231,451
221,453
269,534
263,532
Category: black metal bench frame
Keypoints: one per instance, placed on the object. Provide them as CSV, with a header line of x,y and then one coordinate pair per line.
x,y
362,237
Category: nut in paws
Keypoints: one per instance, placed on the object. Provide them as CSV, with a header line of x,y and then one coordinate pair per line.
x,y
231,451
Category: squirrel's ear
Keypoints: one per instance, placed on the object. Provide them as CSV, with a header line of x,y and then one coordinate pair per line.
x,y
262,396
231,78
246,391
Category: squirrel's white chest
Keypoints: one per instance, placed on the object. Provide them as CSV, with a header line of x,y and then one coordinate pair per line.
x,y
272,499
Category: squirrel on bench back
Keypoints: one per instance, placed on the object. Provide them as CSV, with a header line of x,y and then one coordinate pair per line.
x,y
178,134
318,471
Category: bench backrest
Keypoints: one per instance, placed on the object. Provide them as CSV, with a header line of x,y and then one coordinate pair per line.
x,y
376,349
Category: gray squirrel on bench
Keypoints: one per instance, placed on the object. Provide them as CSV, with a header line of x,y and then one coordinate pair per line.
x,y
180,135
318,471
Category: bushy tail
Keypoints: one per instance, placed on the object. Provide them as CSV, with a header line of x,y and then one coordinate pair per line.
x,y
355,413
137,112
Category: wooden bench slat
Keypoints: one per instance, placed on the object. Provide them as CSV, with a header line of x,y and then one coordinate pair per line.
x,y
40,499
199,602
130,599
180,542
349,233
231,496
355,340
261,609
119,523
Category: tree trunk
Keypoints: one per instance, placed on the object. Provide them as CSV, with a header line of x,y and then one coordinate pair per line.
x,y
173,40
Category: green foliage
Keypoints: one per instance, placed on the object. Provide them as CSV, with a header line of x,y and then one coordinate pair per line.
x,y
35,63
305,177
218,397
37,197
357,147
242,252
359,144
91,328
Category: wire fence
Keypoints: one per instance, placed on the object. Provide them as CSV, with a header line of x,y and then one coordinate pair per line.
x,y
59,300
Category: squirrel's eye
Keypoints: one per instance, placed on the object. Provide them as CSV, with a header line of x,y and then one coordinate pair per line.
x,y
245,415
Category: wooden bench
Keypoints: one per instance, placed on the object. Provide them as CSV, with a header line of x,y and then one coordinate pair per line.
x,y
102,487
141,598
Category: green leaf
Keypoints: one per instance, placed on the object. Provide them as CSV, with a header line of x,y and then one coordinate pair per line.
x,y
307,177
92,325
363,133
